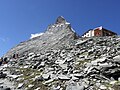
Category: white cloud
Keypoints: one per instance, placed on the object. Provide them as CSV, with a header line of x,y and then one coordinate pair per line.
x,y
4,39
36,35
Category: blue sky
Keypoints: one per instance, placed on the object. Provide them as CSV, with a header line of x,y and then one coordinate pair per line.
x,y
20,18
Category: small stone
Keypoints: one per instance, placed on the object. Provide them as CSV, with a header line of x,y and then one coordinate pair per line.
x,y
116,57
75,87
1,87
78,75
76,71
64,66
63,77
1,83
38,78
30,54
103,87
113,82
56,88
26,66
13,76
109,88
20,85
42,64
30,85
98,84
2,75
5,65
105,65
46,76
49,81
119,79
60,61
75,78
37,89
6,89
19,79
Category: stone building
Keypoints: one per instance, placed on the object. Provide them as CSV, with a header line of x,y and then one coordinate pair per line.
x,y
99,31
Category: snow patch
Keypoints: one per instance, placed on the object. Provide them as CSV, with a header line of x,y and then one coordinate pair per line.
x,y
67,23
36,35
73,30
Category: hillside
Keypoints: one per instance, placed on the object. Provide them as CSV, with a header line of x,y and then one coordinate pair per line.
x,y
60,60
56,36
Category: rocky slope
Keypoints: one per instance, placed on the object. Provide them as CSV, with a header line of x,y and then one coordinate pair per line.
x,y
56,36
60,60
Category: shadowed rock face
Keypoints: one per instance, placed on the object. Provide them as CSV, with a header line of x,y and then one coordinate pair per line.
x,y
56,36
60,19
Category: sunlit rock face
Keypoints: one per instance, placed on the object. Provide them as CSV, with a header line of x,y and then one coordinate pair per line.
x,y
56,36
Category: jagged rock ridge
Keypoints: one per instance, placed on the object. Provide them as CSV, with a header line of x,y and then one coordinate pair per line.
x,y
56,36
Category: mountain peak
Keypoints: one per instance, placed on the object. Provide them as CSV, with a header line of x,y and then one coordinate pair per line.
x,y
60,19
60,24
55,37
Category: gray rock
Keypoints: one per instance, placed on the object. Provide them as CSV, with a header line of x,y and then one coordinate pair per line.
x,y
56,87
1,83
46,76
78,75
20,85
13,76
105,65
1,87
102,87
74,78
64,66
75,87
39,78
63,77
30,86
117,58
6,88
98,84
42,64
60,61
2,75
48,81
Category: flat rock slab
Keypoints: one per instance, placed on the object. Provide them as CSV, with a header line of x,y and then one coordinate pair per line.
x,y
63,77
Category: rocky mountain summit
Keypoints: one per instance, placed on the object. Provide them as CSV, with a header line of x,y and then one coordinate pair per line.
x,y
60,60
55,37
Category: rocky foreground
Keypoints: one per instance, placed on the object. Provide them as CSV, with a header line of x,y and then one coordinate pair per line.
x,y
61,60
